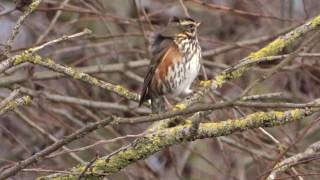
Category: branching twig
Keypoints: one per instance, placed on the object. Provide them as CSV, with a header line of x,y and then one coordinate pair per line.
x,y
53,22
272,49
80,101
244,43
309,43
15,31
100,142
11,96
73,73
45,75
237,11
45,133
293,160
13,104
6,64
63,38
151,143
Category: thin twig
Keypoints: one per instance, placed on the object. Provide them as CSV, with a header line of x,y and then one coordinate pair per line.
x,y
13,104
294,160
32,7
11,96
6,64
45,133
53,22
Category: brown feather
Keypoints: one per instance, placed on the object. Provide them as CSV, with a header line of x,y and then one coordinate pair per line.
x,y
171,56
158,70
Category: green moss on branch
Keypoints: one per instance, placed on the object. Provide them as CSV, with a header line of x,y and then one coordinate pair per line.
x,y
24,100
145,146
274,48
28,56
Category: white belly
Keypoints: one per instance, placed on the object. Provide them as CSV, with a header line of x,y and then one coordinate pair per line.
x,y
181,76
191,72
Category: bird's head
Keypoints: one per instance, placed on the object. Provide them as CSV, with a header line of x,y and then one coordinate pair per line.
x,y
187,25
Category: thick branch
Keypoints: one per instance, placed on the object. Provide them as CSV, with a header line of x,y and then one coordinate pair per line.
x,y
28,56
154,142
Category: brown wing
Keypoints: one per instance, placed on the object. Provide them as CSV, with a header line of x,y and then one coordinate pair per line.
x,y
172,55
159,68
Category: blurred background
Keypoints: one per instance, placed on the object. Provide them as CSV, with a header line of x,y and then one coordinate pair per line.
x,y
117,52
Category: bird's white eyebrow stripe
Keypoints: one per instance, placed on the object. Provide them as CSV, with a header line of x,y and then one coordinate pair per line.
x,y
187,23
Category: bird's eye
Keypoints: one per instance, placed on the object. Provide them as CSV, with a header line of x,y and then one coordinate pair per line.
x,y
190,26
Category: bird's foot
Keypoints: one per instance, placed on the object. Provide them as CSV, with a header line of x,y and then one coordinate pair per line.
x,y
168,104
187,92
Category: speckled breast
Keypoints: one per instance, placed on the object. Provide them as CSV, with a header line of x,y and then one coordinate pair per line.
x,y
181,75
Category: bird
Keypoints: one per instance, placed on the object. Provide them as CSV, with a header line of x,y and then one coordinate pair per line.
x,y
175,63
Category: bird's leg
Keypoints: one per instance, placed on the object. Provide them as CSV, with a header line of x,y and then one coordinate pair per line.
x,y
168,104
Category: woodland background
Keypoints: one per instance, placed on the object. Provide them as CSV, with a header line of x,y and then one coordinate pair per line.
x,y
53,105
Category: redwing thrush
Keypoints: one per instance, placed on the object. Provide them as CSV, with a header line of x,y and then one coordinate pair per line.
x,y
175,63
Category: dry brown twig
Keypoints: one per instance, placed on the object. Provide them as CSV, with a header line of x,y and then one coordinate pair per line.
x,y
287,163
6,64
53,22
45,133
33,6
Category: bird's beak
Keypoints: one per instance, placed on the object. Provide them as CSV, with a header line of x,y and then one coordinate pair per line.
x,y
198,24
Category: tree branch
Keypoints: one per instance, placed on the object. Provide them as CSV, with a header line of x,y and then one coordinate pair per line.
x,y
13,104
154,142
33,58
293,160
33,5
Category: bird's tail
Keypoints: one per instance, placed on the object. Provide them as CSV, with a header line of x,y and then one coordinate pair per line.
x,y
158,104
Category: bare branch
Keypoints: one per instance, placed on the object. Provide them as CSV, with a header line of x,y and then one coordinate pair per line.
x,y
294,160
13,104
33,6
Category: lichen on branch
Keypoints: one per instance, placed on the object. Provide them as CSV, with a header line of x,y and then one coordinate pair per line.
x,y
29,56
274,48
158,140
15,103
